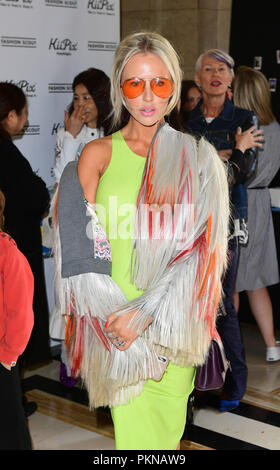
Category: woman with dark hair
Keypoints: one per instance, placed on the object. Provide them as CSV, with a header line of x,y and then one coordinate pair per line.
x,y
190,97
16,322
27,199
87,118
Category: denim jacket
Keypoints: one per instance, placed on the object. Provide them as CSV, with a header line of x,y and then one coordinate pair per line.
x,y
221,133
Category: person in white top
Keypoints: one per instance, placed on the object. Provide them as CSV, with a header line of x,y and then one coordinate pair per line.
x,y
87,118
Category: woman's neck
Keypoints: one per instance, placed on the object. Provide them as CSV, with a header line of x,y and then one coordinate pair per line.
x,y
137,131
140,135
212,106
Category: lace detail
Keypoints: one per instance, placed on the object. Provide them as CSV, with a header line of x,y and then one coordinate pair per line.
x,y
102,247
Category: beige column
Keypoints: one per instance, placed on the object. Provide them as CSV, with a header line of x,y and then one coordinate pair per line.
x,y
191,25
177,20
214,24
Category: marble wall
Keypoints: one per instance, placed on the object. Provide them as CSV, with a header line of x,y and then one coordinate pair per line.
x,y
192,26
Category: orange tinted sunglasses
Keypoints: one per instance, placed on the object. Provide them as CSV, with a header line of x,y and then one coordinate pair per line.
x,y
134,87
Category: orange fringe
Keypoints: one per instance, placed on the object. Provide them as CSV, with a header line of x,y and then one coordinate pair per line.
x,y
70,328
212,263
208,233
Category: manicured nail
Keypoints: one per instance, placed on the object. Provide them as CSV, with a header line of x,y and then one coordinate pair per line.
x,y
106,324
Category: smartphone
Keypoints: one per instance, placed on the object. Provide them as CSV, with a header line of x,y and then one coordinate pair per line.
x,y
163,363
249,122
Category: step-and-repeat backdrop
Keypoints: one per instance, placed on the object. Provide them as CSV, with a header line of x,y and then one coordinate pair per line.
x,y
43,45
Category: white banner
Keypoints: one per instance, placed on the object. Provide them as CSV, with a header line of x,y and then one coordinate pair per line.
x,y
44,44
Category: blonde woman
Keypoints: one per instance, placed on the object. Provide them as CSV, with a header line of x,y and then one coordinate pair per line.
x,y
141,311
251,91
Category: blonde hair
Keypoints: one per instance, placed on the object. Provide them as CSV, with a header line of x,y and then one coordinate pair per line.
x,y
251,91
216,54
143,42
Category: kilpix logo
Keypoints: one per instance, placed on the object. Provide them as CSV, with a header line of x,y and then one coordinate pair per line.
x,y
28,88
101,7
56,127
64,46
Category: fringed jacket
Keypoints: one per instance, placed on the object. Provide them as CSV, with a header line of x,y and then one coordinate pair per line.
x,y
177,264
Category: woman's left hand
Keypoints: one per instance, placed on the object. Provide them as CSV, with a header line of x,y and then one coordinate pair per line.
x,y
118,332
253,137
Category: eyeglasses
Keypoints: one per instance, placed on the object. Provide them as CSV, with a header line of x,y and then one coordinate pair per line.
x,y
134,87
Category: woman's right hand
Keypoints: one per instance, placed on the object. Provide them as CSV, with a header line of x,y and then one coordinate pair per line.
x,y
117,328
73,123
252,137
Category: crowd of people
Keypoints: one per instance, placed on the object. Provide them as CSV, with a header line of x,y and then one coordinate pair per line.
x,y
137,309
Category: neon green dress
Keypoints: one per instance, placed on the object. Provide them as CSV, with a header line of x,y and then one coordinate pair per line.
x,y
154,420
